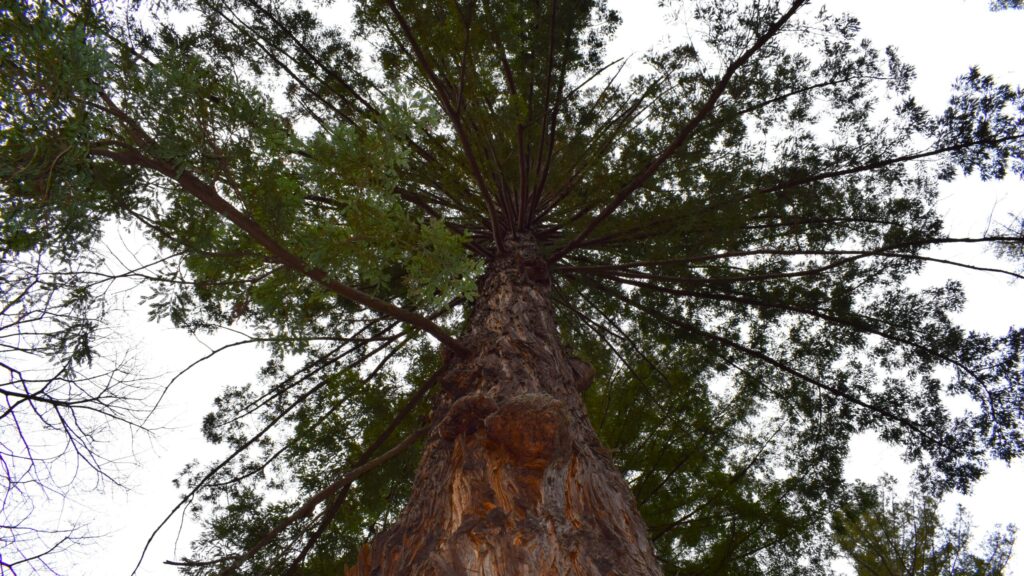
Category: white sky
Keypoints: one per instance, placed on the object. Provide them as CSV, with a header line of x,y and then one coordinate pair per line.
x,y
942,38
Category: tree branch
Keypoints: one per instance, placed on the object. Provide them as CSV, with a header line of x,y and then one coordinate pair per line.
x,y
683,135
209,196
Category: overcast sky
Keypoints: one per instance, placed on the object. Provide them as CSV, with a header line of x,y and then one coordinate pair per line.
x,y
942,38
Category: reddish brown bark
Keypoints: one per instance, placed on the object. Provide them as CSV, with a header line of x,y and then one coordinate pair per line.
x,y
513,479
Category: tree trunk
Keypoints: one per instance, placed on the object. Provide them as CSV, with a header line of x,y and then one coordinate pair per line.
x,y
513,479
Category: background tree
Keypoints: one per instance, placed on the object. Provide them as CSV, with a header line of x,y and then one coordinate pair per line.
x,y
69,387
457,223
883,535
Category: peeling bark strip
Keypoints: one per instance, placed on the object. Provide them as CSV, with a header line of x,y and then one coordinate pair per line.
x,y
513,479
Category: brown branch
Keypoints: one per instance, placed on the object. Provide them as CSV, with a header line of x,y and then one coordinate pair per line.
x,y
311,368
764,357
331,72
209,196
865,167
882,251
334,507
311,503
444,99
878,164
602,140
266,49
684,134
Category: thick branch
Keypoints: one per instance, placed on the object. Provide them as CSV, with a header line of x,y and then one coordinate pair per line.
x,y
209,196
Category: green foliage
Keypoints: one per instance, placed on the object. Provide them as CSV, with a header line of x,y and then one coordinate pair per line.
x,y
49,64
882,535
730,246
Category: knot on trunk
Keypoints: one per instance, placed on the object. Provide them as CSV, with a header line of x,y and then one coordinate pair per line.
x,y
582,374
466,415
533,429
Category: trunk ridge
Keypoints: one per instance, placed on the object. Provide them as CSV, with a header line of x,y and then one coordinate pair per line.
x,y
513,480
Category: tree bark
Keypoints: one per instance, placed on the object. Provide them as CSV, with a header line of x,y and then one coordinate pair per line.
x,y
513,479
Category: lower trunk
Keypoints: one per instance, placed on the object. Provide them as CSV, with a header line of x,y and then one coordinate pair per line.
x,y
513,479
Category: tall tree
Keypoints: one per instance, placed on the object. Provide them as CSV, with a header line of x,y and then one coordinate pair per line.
x,y
605,320
882,535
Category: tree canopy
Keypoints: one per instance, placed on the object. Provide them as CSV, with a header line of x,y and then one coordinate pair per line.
x,y
729,227
883,535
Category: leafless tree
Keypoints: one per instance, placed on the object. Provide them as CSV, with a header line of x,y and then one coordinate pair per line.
x,y
66,391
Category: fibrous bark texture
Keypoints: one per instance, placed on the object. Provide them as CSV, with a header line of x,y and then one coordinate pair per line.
x,y
513,479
